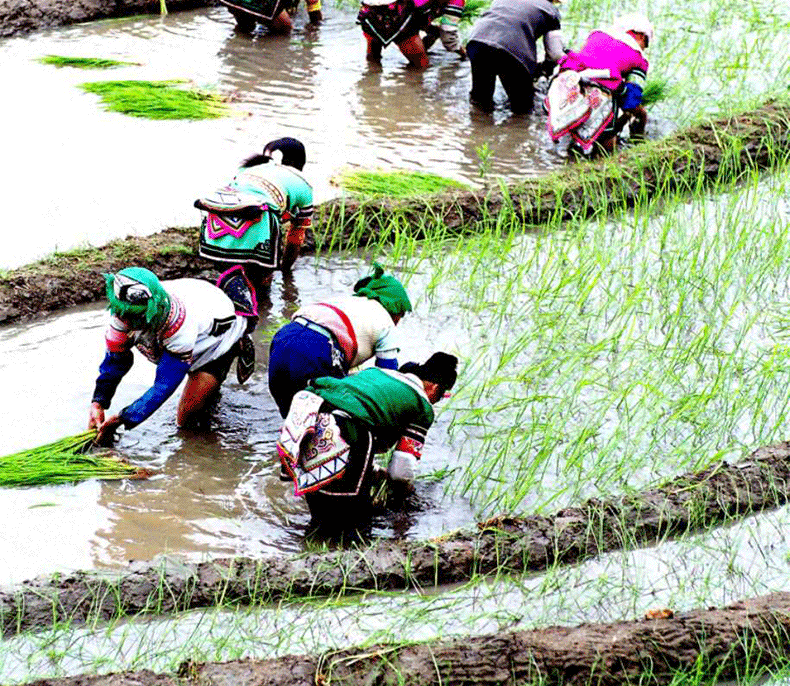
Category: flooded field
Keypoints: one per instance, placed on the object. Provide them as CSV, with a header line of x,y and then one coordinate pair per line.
x,y
214,494
595,360
106,175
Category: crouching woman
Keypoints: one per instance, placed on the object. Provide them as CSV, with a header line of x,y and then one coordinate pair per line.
x,y
335,426
187,327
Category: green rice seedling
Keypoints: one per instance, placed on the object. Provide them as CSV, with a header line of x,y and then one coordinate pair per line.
x,y
64,461
655,91
157,99
395,184
83,62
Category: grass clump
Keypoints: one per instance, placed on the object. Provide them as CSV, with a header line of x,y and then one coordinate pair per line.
x,y
83,62
396,184
157,99
64,461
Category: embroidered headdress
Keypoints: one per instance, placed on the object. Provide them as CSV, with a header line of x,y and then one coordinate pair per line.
x,y
384,288
136,293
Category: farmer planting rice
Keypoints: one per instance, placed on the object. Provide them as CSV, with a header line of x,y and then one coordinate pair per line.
x,y
384,22
328,338
275,15
336,425
187,327
503,43
598,89
245,219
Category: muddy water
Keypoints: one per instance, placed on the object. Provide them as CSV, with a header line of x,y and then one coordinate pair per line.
x,y
92,175
215,493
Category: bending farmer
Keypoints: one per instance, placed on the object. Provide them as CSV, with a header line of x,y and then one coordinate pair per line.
x,y
328,338
245,219
599,88
336,425
503,43
188,328
400,22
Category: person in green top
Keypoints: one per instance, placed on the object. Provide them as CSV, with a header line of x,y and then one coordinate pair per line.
x,y
335,426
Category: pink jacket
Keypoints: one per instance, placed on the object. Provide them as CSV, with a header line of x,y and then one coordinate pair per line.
x,y
611,50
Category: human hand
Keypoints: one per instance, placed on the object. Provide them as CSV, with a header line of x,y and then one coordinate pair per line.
x,y
106,431
402,466
462,53
96,417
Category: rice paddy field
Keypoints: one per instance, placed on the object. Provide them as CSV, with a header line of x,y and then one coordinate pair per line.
x,y
598,358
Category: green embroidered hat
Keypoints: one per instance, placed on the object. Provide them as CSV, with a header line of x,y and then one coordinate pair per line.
x,y
384,288
137,293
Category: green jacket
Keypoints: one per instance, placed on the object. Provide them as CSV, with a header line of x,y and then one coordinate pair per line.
x,y
387,402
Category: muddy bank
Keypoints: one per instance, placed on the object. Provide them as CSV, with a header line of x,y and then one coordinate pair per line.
x,y
24,16
718,151
502,545
75,277
699,157
725,643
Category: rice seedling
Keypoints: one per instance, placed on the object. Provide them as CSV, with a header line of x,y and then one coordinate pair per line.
x,y
83,62
158,99
394,184
655,91
64,461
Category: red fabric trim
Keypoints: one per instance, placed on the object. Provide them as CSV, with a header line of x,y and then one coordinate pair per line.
x,y
352,335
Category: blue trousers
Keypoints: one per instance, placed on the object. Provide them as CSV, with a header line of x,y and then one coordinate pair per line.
x,y
297,356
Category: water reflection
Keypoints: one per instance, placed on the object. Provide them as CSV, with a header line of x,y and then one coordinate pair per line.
x,y
215,492
81,167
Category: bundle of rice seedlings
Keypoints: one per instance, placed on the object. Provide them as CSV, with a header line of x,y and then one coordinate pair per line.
x,y
65,461
157,99
655,91
162,8
83,62
396,184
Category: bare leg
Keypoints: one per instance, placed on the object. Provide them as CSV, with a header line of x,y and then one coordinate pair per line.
x,y
200,388
281,24
638,121
414,51
374,49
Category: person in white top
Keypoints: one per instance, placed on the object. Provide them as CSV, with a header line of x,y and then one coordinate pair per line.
x,y
328,338
187,327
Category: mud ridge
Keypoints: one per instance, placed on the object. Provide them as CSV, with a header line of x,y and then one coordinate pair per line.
x,y
23,16
725,643
725,149
508,545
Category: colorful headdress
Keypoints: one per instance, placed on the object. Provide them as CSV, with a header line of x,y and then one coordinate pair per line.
x,y
384,288
137,293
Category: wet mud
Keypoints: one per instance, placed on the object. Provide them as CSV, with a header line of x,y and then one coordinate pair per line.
x,y
722,642
23,16
720,150
689,503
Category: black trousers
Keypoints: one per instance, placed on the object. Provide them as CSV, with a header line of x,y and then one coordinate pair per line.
x,y
487,64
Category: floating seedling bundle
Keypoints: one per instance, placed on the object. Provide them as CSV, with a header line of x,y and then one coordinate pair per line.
x,y
65,461
158,99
